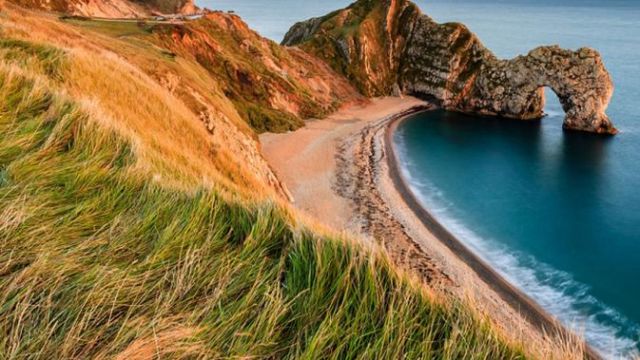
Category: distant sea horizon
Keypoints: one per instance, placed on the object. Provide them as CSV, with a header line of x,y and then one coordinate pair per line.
x,y
557,213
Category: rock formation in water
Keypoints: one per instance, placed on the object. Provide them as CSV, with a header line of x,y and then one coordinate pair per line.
x,y
389,46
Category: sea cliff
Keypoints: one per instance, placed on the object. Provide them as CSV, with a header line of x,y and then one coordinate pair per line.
x,y
389,47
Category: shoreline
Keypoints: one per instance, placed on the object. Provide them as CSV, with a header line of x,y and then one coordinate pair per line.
x,y
343,173
514,297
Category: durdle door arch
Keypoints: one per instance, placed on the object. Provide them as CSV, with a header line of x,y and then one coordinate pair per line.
x,y
448,64
515,88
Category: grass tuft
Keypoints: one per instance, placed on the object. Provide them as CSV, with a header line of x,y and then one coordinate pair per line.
x,y
22,52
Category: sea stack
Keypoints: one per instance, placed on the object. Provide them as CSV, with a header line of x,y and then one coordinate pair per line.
x,y
385,44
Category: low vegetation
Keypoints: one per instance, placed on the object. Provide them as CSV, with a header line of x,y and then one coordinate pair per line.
x,y
99,261
271,88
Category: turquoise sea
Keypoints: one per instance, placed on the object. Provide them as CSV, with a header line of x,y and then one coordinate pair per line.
x,y
558,214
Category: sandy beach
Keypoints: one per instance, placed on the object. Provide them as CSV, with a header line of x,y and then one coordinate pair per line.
x,y
342,171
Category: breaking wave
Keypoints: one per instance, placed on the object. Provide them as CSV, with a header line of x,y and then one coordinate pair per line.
x,y
555,290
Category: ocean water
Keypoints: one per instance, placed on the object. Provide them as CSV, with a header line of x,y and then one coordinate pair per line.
x,y
558,214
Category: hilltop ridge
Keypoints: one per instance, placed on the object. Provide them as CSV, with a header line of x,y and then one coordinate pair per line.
x,y
112,8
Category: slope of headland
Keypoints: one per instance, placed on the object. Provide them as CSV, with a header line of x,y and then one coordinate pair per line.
x,y
142,220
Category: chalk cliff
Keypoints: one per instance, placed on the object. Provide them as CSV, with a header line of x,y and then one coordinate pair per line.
x,y
388,46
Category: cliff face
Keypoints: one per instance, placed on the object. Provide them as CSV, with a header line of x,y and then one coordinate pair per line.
x,y
389,46
365,41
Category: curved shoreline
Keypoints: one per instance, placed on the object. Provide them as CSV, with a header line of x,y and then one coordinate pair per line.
x,y
336,170
518,300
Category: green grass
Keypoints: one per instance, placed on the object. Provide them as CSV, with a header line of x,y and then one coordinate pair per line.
x,y
116,28
24,53
98,262
165,6
264,119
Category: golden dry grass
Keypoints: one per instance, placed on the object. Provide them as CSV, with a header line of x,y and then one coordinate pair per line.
x,y
119,84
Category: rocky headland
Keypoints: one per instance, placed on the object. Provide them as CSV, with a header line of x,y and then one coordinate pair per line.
x,y
390,47
199,97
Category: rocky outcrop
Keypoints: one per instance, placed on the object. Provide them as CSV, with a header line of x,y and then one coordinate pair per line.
x,y
514,88
302,31
364,41
383,45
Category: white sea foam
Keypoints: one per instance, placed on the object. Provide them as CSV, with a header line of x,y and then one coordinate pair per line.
x,y
555,290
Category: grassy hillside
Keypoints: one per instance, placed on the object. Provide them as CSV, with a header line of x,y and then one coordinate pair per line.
x,y
273,88
102,263
138,220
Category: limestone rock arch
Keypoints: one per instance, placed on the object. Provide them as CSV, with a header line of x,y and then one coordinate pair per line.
x,y
389,46
515,88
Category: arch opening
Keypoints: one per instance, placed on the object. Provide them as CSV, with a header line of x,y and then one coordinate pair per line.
x,y
552,106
